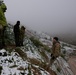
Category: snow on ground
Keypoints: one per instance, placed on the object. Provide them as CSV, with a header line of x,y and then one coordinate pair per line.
x,y
61,67
33,55
32,50
46,42
13,64
68,48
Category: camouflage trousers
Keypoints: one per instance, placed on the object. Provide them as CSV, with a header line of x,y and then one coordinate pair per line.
x,y
52,60
2,41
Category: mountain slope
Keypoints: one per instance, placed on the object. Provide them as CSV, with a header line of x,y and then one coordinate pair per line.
x,y
33,57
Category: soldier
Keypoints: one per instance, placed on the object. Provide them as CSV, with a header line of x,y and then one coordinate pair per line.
x,y
17,33
22,34
56,49
3,23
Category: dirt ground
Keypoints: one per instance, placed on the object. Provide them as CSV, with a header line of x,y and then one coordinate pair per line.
x,y
72,64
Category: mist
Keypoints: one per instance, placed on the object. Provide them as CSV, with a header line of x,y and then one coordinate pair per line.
x,y
51,16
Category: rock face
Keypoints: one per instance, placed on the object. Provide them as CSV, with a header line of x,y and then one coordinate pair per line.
x,y
33,57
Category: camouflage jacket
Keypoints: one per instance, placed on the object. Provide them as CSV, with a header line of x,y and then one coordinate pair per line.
x,y
3,21
56,49
22,34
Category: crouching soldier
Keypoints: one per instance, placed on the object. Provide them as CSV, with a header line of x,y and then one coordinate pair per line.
x,y
3,23
22,35
55,50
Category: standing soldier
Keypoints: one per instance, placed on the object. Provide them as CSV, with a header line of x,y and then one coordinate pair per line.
x,y
22,35
17,33
3,23
55,50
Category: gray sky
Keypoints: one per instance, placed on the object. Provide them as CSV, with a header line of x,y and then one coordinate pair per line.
x,y
51,16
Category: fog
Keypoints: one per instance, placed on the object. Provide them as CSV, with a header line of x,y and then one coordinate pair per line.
x,y
51,16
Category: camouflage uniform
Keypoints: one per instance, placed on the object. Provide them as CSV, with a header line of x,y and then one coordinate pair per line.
x,y
55,52
22,35
3,23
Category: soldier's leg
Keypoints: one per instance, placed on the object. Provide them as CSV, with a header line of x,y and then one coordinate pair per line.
x,y
17,41
21,42
3,37
1,33
52,60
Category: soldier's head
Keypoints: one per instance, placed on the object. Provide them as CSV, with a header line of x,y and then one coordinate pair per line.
x,y
18,23
55,39
23,28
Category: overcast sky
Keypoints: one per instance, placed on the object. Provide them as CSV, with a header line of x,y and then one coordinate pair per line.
x,y
43,15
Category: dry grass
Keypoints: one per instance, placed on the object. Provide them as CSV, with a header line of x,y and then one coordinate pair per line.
x,y
21,53
13,66
44,56
34,61
42,65
21,68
